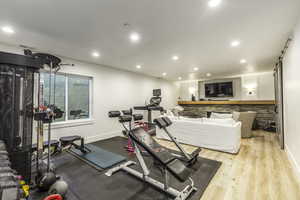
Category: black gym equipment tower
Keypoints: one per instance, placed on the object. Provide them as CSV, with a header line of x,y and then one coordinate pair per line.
x,y
17,77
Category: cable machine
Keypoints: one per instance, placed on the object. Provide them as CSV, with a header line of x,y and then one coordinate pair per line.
x,y
20,103
17,79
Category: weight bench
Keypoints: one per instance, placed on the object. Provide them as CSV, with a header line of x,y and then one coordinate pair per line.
x,y
190,159
69,142
64,142
163,159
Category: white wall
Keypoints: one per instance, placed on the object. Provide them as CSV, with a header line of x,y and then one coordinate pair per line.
x,y
112,90
184,89
261,85
291,99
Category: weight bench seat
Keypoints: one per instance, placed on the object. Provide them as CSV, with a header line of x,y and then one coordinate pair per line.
x,y
69,139
165,155
53,143
179,170
164,158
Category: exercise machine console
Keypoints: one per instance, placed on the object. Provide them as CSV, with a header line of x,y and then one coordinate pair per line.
x,y
154,105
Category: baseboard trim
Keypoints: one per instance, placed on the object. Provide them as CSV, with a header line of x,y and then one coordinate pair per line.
x,y
295,165
103,136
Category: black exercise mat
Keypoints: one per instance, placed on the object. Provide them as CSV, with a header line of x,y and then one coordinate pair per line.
x,y
86,182
99,157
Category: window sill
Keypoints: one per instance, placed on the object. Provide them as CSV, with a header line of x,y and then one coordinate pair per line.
x,y
71,123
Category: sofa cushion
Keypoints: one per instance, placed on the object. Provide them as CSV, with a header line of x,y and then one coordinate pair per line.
x,y
236,115
229,121
220,115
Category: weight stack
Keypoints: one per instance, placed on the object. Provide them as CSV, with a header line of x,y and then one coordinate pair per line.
x,y
17,79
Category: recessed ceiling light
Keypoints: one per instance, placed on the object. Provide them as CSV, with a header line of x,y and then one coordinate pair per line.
x,y
138,66
196,68
243,61
135,37
208,74
235,43
214,3
175,57
179,78
164,74
95,54
8,29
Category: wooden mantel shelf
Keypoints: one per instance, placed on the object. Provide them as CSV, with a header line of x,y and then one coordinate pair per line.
x,y
260,102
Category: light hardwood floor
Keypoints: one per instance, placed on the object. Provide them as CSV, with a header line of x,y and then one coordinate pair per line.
x,y
261,171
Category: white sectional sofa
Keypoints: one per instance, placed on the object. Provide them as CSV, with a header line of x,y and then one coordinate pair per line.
x,y
217,134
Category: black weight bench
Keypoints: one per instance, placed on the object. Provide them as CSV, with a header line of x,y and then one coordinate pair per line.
x,y
69,141
190,159
165,160
163,157
64,142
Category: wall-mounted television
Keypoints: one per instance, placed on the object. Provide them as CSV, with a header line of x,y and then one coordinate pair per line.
x,y
215,90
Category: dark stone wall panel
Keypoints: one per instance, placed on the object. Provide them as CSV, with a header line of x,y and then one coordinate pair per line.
x,y
265,113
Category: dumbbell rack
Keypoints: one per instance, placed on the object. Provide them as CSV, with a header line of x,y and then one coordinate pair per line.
x,y
10,188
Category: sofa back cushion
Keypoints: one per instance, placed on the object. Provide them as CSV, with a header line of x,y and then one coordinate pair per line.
x,y
220,115
228,121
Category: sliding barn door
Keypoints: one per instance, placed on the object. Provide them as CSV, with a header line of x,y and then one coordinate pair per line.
x,y
279,103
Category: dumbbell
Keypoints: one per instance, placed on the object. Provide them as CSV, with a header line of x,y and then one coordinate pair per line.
x,y
3,157
5,163
3,152
2,146
5,170
8,184
7,175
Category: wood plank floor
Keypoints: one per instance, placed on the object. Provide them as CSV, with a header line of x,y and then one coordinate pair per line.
x,y
260,171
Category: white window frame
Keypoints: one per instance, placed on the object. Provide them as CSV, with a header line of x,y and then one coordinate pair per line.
x,y
75,122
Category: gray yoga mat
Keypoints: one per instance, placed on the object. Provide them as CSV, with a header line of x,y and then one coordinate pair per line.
x,y
99,157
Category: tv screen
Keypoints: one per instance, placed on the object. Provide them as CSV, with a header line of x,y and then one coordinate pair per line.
x,y
224,89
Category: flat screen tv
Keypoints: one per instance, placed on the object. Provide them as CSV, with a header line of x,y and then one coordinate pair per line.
x,y
215,90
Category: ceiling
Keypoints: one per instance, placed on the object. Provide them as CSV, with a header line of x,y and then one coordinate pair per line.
x,y
199,35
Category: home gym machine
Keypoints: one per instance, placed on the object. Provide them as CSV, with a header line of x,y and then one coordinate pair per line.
x,y
190,159
19,91
162,123
17,77
17,74
154,105
46,113
163,159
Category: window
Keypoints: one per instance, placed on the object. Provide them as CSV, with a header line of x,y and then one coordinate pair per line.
x,y
59,90
72,95
78,97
